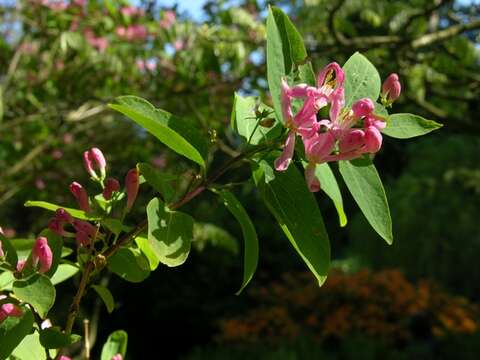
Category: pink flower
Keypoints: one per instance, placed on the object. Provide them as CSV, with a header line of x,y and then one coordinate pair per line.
x,y
57,154
56,226
85,227
136,32
132,183
94,159
169,18
312,181
99,43
63,215
81,195
373,139
40,184
353,139
281,163
330,78
363,107
391,88
57,223
131,11
179,44
42,255
82,239
117,357
63,357
111,186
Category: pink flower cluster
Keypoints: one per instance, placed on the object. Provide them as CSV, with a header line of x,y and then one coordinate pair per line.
x,y
40,259
135,32
95,165
131,11
168,19
98,42
347,134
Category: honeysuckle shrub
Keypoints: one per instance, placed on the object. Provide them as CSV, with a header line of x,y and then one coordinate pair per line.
x,y
314,121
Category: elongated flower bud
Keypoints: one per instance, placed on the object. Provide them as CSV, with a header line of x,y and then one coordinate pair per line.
x,y
63,216
111,186
21,265
82,239
42,255
391,88
363,107
373,139
117,357
86,227
352,140
92,159
56,226
81,195
132,183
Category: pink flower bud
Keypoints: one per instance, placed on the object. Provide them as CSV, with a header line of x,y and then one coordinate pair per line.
x,y
92,159
81,195
21,265
111,186
391,88
62,215
82,239
42,255
132,183
8,309
352,140
373,139
363,107
56,226
85,227
117,357
63,357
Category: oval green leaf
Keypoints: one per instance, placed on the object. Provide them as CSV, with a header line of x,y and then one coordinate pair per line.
x,y
64,272
249,235
79,214
169,232
295,209
129,264
106,296
405,126
160,181
364,184
54,338
330,187
361,79
284,49
175,133
36,290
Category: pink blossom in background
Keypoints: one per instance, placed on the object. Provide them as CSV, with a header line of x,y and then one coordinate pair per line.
x,y
9,309
56,5
160,161
99,43
57,154
168,19
63,357
132,11
80,3
40,184
28,48
140,65
67,138
179,44
136,32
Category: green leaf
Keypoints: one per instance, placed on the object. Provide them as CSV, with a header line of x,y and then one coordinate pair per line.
x,y
36,290
129,264
284,49
23,247
330,187
205,233
306,74
177,134
169,232
249,235
115,226
404,126
116,344
9,251
30,348
64,272
79,214
54,338
13,331
295,208
160,181
361,79
6,280
366,188
245,123
147,249
106,296
55,242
